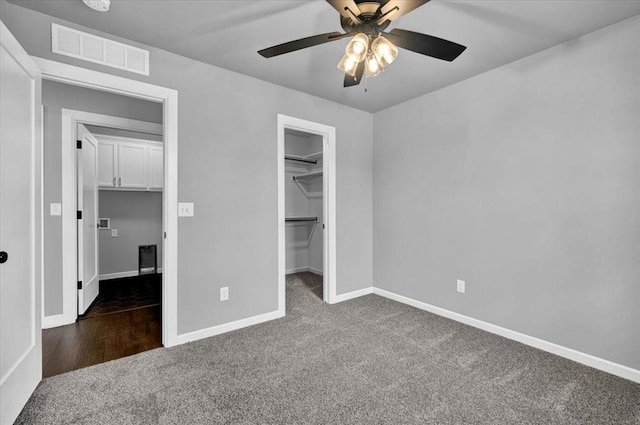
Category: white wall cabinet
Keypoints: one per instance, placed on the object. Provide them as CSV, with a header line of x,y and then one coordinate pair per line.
x,y
156,167
130,164
107,155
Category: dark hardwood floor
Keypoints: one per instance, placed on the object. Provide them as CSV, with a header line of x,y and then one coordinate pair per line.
x,y
99,338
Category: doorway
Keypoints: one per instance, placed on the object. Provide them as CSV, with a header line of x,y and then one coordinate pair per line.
x,y
81,77
119,184
306,205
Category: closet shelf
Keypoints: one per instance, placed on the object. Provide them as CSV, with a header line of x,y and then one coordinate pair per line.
x,y
300,159
316,155
297,219
311,174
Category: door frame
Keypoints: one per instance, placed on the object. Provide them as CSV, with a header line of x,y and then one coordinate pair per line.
x,y
82,77
328,135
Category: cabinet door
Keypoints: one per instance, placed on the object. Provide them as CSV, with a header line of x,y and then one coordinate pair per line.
x,y
132,165
107,159
156,167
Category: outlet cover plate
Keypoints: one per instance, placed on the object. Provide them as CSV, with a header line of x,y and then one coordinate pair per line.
x,y
461,286
224,293
56,209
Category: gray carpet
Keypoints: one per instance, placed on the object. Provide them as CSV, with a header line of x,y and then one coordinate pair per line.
x,y
365,361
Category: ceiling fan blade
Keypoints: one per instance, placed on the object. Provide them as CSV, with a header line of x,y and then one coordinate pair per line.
x,y
403,7
302,43
425,44
343,7
350,81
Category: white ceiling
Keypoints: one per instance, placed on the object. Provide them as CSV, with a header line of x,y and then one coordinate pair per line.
x,y
229,33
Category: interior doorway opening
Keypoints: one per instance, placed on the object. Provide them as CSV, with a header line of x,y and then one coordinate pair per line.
x,y
304,222
112,203
306,206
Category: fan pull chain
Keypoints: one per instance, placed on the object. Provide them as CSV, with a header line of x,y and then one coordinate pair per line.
x,y
365,83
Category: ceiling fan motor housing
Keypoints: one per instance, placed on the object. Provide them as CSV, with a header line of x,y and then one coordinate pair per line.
x,y
369,15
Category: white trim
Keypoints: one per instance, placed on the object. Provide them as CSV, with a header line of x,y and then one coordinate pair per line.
x,y
304,269
54,321
354,294
559,350
328,135
315,271
107,137
90,118
83,77
228,327
118,275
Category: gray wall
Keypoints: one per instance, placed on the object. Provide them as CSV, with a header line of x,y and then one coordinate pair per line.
x,y
523,181
138,218
227,146
56,96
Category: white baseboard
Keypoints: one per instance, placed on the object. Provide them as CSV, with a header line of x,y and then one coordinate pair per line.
x,y
118,275
228,327
568,353
314,271
56,320
353,294
304,269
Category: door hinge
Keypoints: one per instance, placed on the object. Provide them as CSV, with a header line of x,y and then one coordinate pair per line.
x,y
79,284
78,144
165,235
79,215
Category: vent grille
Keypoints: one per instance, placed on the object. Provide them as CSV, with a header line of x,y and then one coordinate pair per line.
x,y
89,47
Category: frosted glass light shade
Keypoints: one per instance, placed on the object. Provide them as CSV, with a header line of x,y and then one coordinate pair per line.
x,y
371,66
384,51
357,47
348,65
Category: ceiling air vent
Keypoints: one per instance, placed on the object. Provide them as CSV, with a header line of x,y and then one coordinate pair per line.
x,y
85,46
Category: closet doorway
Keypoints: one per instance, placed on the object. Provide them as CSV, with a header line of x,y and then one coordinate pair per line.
x,y
306,207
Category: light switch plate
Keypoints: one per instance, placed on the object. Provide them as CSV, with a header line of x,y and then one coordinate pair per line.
x,y
114,233
56,209
185,209
461,286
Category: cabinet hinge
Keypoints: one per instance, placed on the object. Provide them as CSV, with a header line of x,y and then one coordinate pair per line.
x,y
79,215
78,144
79,284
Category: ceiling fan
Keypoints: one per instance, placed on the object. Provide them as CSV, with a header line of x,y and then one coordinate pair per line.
x,y
372,49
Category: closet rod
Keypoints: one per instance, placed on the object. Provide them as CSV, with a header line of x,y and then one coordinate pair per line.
x,y
291,219
308,161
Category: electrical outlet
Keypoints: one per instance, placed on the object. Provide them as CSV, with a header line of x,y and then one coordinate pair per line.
x,y
56,209
224,293
461,286
114,233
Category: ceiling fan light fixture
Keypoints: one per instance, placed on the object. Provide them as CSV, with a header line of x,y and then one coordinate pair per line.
x,y
371,66
357,47
99,5
348,65
384,50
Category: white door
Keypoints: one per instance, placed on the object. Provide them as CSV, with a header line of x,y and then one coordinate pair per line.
x,y
107,160
20,232
131,165
89,284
